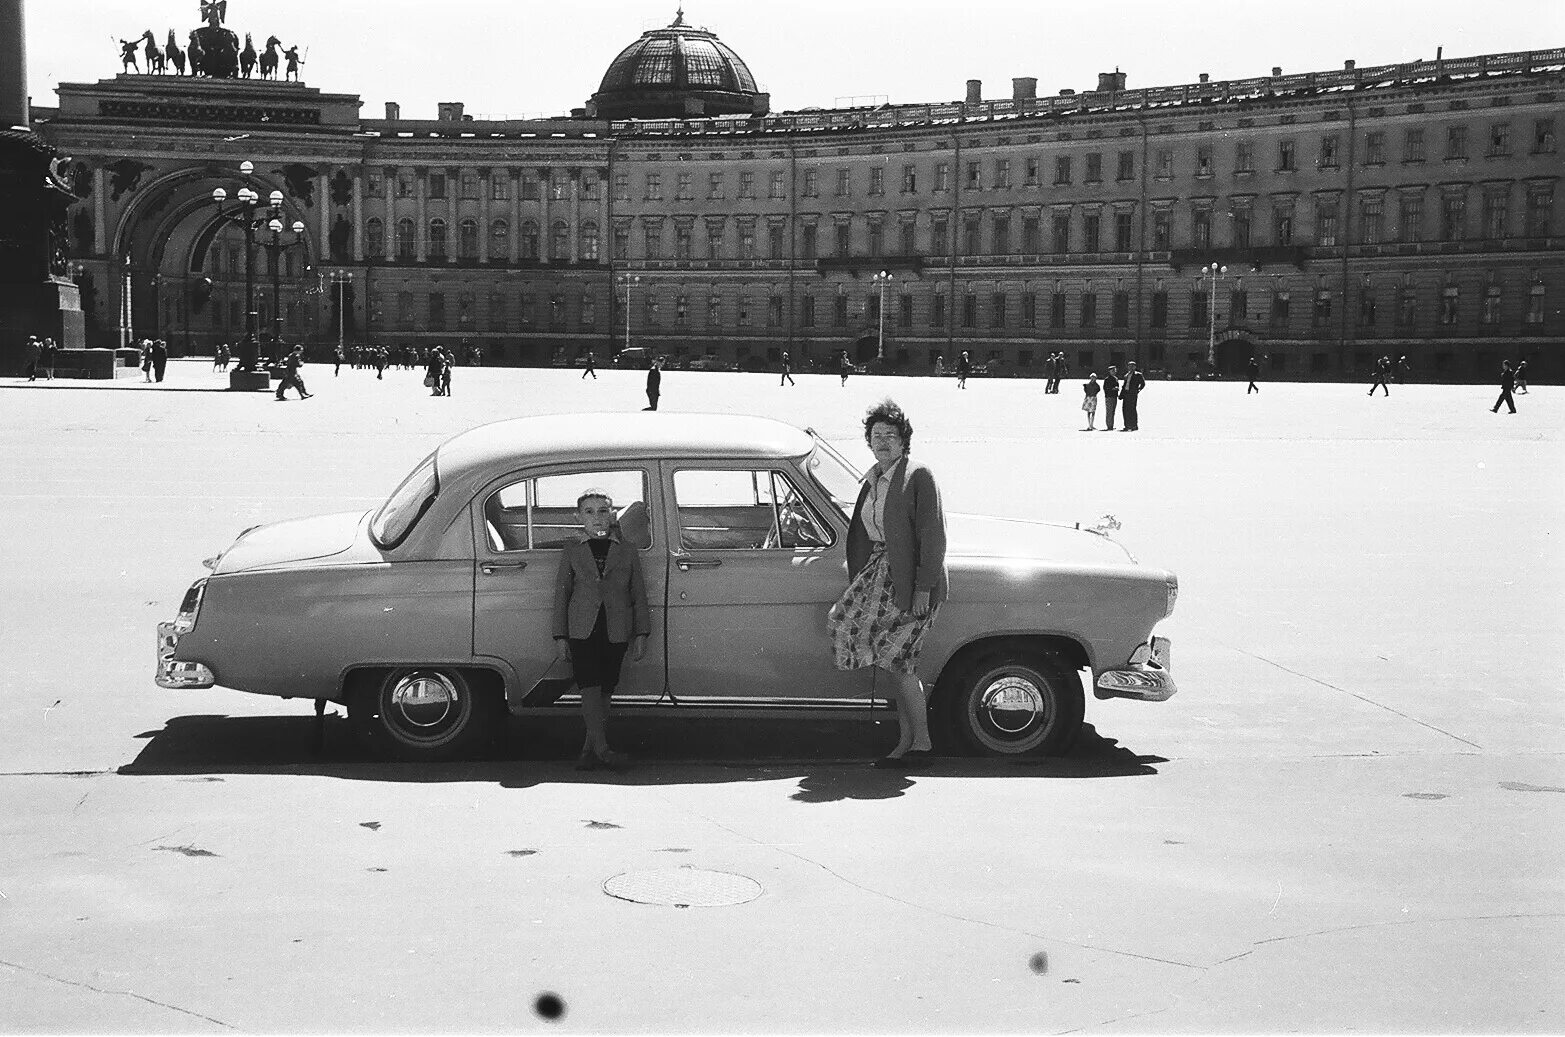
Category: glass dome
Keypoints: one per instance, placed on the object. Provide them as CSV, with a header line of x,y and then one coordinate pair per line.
x,y
677,72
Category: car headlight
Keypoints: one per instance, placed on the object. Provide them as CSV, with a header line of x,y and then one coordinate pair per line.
x,y
185,622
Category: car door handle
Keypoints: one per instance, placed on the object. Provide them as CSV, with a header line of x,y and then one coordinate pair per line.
x,y
490,568
686,564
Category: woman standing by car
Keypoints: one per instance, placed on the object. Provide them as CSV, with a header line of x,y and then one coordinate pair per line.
x,y
897,577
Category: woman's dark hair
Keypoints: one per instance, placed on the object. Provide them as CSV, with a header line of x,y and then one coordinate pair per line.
x,y
887,411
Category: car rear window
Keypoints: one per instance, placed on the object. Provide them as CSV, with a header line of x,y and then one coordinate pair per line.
x,y
407,503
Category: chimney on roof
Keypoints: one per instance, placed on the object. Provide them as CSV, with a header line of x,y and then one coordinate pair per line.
x,y
1206,77
449,111
1024,88
975,91
1109,82
1276,70
393,111
1349,65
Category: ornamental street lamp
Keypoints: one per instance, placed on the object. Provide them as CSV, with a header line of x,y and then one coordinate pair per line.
x,y
1212,272
275,247
341,279
251,216
883,279
628,282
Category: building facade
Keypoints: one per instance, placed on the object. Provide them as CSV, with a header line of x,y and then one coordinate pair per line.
x,y
1406,210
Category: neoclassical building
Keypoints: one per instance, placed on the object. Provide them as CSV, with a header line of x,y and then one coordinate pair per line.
x,y
1404,209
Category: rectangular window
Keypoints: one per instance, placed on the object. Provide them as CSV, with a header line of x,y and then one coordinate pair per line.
x,y
1543,136
969,310
777,185
1002,172
683,191
621,243
747,184
807,311
1285,156
1030,176
437,311
714,241
1238,306
654,187
714,185
1456,142
1201,228
1494,215
405,184
909,179
681,309
1244,157
1091,226
1165,164
1032,235
589,186
499,187
812,183
844,182
1159,317
1123,236
726,509
972,232
1499,139
1413,146
682,239
844,239
774,311
1322,311
1328,151
1029,309
1326,223
1282,301
649,308
1094,173
374,185
1282,226
1450,303
877,240
1540,210
621,188
1535,305
540,513
470,185
877,180
905,311
909,231
1491,305
940,236
975,177
746,240
1243,222
1001,235
437,185
937,311
1203,160
1375,148
1407,308
1366,317
1372,229
714,309
1062,233
1453,217
1057,310
839,311
942,176
776,242
1121,317
997,310
807,241
1062,169
589,311
1161,232
1125,166
1410,218
652,239
1198,308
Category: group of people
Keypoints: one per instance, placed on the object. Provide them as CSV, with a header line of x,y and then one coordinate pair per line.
x,y
1055,368
897,580
1513,379
1387,370
154,359
1115,392
39,355
437,372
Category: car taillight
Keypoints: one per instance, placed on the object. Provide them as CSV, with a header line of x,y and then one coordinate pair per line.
x,y
1173,594
185,622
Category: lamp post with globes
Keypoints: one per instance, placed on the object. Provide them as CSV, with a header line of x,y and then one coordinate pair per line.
x,y
250,216
275,247
628,281
1212,272
882,279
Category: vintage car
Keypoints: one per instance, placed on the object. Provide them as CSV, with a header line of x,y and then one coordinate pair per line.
x,y
429,617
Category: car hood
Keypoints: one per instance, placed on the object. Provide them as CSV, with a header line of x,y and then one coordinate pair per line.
x,y
985,536
293,540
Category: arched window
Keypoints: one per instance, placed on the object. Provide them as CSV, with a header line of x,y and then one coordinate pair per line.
x,y
529,240
375,237
560,241
467,242
437,239
406,248
589,242
499,240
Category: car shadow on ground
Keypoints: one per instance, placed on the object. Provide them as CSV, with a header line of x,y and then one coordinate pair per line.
x,y
830,758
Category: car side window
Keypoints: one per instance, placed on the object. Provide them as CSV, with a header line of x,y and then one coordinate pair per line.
x,y
745,509
539,512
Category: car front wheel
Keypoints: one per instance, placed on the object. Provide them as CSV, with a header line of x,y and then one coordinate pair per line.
x,y
422,713
1015,701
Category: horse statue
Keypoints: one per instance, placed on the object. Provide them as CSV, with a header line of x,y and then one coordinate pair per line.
x,y
128,54
247,58
197,56
173,55
269,59
153,54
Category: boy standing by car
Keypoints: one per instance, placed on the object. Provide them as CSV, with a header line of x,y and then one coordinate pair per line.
x,y
600,610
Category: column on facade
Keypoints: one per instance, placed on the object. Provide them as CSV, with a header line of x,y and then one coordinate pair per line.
x,y
605,233
421,217
323,203
389,230
453,214
358,217
515,176
486,214
574,181
546,221
100,213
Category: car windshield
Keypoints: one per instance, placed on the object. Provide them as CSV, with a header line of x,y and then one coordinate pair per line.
x,y
834,474
395,518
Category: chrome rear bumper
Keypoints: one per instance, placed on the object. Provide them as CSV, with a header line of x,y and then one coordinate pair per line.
x,y
173,674
1145,676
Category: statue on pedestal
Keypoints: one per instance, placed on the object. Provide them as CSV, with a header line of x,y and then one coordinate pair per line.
x,y
219,46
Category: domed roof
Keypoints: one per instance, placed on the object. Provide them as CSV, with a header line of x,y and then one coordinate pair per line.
x,y
677,72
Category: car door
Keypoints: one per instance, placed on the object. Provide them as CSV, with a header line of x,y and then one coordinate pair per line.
x,y
754,568
520,524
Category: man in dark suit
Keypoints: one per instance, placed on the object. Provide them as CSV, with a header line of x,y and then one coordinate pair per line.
x,y
1130,392
1255,372
1507,383
1110,397
654,383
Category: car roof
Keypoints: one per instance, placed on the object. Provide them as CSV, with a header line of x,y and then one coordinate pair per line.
x,y
638,434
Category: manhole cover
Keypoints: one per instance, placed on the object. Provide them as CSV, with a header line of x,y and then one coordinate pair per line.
x,y
683,887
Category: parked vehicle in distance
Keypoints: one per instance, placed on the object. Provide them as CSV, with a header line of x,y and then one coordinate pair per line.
x,y
704,363
429,616
636,358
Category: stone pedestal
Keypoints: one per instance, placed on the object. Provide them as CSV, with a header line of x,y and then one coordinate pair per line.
x,y
36,298
249,381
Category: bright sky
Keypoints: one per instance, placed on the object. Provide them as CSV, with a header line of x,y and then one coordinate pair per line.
x,y
528,57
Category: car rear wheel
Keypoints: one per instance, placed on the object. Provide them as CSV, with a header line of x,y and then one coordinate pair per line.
x,y
1008,702
423,713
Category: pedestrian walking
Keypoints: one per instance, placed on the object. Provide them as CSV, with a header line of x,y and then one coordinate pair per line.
x,y
600,611
159,358
1382,369
382,358
432,372
897,578
292,364
654,382
592,366
46,358
1521,375
30,356
844,367
1062,368
1048,374
448,361
220,357
964,367
337,370
940,366
1089,402
787,377
1110,397
146,360
1507,384
1404,369
1255,372
1130,396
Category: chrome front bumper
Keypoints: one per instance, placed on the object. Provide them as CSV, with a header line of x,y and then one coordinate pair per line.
x,y
1145,676
172,674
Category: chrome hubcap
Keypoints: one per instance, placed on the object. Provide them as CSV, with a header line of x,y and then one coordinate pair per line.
x,y
423,699
1011,705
